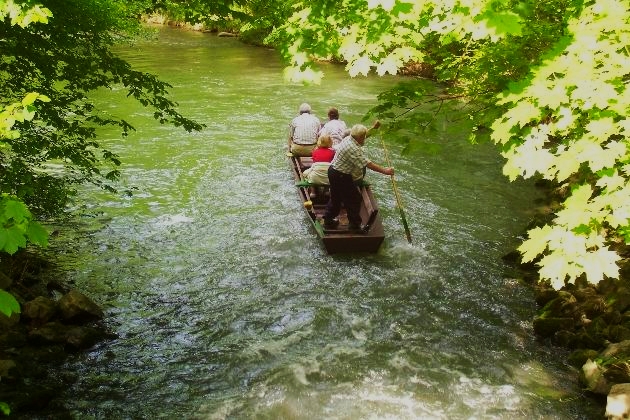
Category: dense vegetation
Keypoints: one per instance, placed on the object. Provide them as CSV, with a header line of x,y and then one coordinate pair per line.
x,y
546,81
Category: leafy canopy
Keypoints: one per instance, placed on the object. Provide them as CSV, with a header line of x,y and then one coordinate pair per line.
x,y
63,56
52,54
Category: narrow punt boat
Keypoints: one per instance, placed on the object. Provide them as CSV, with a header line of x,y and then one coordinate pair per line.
x,y
340,239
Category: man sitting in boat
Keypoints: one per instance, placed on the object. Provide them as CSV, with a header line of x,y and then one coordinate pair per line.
x,y
335,127
303,132
346,169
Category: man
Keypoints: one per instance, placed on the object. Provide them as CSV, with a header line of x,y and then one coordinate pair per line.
x,y
303,132
346,169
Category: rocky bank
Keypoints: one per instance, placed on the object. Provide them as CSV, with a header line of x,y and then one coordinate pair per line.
x,y
54,322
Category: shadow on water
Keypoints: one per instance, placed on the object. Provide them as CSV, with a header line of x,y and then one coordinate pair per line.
x,y
225,304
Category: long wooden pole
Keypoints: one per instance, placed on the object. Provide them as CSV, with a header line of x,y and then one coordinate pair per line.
x,y
397,195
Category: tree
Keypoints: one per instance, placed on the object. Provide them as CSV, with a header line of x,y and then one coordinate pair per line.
x,y
253,19
17,224
546,81
52,57
64,60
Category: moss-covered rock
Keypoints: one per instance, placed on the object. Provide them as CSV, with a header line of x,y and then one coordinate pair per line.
x,y
581,356
548,326
563,306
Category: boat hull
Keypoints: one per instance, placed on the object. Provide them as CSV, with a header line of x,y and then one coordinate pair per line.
x,y
340,240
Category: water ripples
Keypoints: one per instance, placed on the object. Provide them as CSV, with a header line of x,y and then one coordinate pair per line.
x,y
226,305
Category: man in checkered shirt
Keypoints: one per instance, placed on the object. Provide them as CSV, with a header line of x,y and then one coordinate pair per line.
x,y
348,167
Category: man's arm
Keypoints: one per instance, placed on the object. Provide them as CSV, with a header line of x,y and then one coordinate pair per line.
x,y
291,131
378,168
376,125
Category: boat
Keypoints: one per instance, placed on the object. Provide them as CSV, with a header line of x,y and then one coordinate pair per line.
x,y
341,239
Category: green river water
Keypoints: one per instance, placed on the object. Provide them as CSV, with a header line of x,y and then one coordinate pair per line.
x,y
226,306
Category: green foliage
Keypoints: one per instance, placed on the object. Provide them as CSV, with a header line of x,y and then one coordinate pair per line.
x,y
4,408
8,305
253,19
546,81
210,13
64,61
17,226
21,14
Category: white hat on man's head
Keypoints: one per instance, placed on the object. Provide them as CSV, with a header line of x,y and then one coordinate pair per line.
x,y
305,108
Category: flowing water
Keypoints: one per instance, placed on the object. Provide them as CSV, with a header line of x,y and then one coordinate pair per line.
x,y
224,303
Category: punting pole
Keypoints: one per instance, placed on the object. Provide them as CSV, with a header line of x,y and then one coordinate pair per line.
x,y
397,195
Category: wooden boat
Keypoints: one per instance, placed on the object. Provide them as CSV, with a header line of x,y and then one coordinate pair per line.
x,y
340,239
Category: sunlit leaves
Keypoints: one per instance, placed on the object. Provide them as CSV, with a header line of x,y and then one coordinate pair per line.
x,y
577,236
18,112
387,5
23,15
576,93
599,264
17,226
536,244
496,25
8,305
385,35
298,75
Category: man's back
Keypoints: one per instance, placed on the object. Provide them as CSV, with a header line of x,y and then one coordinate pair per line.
x,y
305,128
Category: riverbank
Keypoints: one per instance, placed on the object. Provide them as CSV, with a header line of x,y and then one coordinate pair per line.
x,y
54,322
592,321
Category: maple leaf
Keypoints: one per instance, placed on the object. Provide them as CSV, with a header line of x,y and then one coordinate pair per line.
x,y
566,164
611,182
8,303
523,113
360,66
555,267
16,210
571,244
500,24
579,195
600,263
501,130
602,128
531,159
37,234
536,244
388,65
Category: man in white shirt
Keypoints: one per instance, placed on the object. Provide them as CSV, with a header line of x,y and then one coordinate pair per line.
x,y
303,132
335,127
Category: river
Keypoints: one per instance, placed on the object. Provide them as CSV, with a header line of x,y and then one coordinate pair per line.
x,y
226,306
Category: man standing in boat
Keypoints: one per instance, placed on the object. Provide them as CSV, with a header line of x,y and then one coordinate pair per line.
x,y
303,132
348,167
